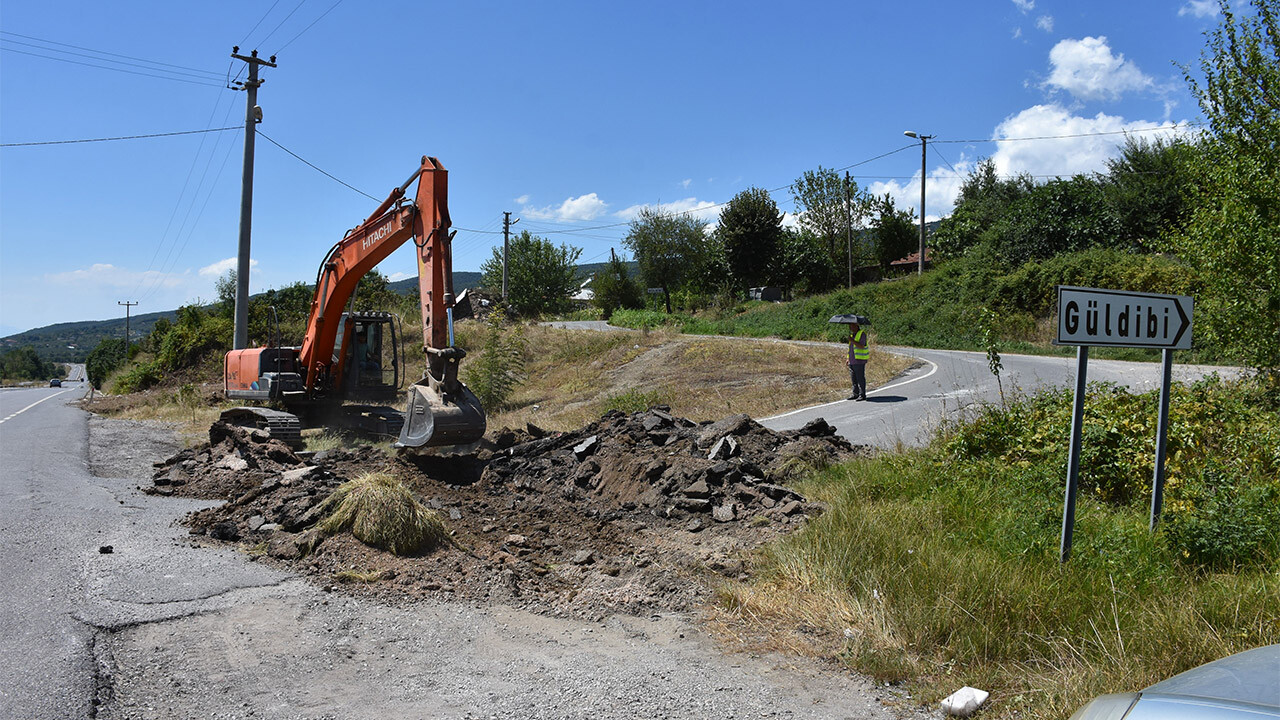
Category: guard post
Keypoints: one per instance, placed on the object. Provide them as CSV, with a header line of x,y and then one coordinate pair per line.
x,y
1117,318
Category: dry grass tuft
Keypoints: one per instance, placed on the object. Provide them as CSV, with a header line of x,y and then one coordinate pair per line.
x,y
380,511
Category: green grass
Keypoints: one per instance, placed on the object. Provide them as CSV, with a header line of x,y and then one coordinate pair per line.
x,y
940,309
943,563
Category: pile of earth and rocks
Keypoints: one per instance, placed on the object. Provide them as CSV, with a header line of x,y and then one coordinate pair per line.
x,y
631,513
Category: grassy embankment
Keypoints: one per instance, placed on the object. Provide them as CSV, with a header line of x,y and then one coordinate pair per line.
x,y
939,568
572,377
942,308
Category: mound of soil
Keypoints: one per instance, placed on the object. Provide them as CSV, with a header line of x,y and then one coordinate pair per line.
x,y
631,513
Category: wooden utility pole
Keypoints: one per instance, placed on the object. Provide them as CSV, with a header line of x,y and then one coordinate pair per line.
x,y
848,226
252,116
507,222
127,305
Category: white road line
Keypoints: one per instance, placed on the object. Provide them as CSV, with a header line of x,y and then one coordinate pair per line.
x,y
869,392
33,405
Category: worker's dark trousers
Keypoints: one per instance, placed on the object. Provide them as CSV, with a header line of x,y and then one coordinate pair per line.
x,y
858,374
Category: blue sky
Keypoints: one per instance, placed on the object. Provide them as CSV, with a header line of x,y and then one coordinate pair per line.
x,y
571,115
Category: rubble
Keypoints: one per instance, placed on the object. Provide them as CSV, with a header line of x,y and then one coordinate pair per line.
x,y
626,514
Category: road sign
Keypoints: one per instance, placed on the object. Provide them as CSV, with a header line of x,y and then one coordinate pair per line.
x,y
654,291
1116,318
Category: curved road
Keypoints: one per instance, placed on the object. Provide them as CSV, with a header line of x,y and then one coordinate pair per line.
x,y
905,411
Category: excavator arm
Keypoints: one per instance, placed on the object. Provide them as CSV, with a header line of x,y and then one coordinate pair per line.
x,y
441,411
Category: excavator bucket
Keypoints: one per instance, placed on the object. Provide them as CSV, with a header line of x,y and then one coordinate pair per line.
x,y
432,419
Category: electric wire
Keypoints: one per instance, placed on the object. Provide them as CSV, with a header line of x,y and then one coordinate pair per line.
x,y
313,167
181,194
313,22
282,22
100,52
1159,128
108,67
121,137
255,25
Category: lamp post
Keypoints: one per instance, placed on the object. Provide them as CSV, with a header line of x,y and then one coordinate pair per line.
x,y
924,142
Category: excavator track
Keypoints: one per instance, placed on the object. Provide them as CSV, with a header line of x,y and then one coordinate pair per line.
x,y
282,426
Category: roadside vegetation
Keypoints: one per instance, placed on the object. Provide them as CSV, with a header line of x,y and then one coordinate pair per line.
x,y
939,568
24,364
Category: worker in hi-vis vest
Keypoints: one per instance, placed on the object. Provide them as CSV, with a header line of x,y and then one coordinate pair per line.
x,y
859,353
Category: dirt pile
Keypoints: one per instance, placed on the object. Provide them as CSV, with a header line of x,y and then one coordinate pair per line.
x,y
630,513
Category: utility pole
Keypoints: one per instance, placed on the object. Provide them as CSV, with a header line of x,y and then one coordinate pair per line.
x,y
848,228
924,142
252,116
507,222
127,305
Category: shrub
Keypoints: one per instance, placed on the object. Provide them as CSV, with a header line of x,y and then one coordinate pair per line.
x,y
137,378
494,374
1222,523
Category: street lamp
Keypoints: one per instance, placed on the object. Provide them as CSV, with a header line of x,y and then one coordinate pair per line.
x,y
924,141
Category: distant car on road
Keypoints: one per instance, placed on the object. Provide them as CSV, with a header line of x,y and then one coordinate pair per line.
x,y
1244,686
55,383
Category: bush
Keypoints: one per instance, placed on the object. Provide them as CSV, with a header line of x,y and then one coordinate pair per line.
x,y
193,337
137,378
103,359
1223,524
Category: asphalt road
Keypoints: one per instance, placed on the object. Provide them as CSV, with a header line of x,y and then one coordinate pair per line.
x,y
906,411
161,628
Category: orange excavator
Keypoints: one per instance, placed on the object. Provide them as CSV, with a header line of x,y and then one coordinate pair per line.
x,y
348,357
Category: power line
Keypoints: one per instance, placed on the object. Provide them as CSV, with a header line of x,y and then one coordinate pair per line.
x,y
243,42
1174,126
100,52
313,22
282,22
313,167
108,67
121,137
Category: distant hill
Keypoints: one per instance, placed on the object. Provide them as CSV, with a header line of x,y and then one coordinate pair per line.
x,y
72,341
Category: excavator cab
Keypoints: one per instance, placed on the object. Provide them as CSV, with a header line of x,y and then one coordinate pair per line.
x,y
369,360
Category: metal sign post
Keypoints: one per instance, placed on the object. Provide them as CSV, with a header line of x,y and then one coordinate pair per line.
x,y
1117,318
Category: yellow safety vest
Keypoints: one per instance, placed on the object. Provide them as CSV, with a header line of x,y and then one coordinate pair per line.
x,y
859,353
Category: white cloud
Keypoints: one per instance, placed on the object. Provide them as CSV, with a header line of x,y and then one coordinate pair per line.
x,y
1060,156
1025,6
685,183
583,207
1045,23
1017,33
523,199
941,190
220,268
1087,69
397,276
1199,8
704,210
106,275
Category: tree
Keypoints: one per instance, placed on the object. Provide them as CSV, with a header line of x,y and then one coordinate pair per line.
x,y
1233,235
1147,187
24,364
893,232
984,199
615,288
373,293
829,207
751,230
540,276
669,248
104,358
1056,217
805,262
